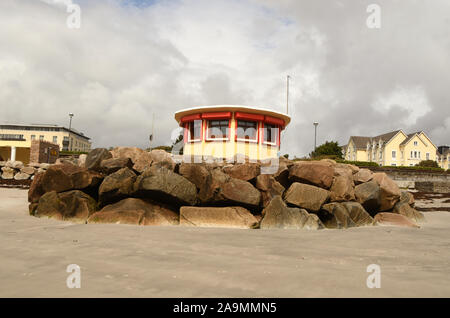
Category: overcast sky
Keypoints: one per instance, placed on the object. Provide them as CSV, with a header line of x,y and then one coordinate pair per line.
x,y
130,59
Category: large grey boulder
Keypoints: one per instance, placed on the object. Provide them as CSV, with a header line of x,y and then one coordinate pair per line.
x,y
390,192
393,219
141,159
369,195
240,192
21,176
358,214
362,176
406,210
136,212
95,157
117,186
75,206
244,171
162,158
319,173
162,184
342,188
335,216
7,173
269,188
231,217
278,216
306,196
112,165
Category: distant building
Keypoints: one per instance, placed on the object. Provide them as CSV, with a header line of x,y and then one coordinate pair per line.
x,y
226,131
443,157
391,149
15,139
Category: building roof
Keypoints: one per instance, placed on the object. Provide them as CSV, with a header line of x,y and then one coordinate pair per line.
x,y
217,108
360,141
31,126
387,136
410,136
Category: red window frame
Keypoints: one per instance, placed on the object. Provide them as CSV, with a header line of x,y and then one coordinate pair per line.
x,y
188,135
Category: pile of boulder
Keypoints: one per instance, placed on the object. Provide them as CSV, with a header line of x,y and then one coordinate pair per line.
x,y
132,186
16,170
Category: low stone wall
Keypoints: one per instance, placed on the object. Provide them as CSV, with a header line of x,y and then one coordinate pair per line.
x,y
426,181
16,174
433,186
133,186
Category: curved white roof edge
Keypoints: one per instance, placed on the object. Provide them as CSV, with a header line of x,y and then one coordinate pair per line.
x,y
283,115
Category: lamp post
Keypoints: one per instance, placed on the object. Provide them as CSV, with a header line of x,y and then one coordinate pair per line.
x,y
70,130
315,133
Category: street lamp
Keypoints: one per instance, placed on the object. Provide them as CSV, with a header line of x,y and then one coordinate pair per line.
x,y
315,133
70,129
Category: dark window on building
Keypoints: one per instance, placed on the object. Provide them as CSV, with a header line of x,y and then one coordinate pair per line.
x,y
247,129
270,133
218,129
195,130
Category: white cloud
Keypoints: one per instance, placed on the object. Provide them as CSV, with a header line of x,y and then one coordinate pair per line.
x,y
126,63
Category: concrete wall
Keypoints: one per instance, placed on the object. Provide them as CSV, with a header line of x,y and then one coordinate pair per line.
x,y
426,181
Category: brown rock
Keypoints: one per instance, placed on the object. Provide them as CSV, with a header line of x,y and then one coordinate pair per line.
x,y
82,160
112,165
369,195
386,218
95,157
358,214
342,189
28,170
335,216
74,206
21,176
306,196
362,176
232,217
141,159
36,190
163,184
32,207
319,173
240,192
137,212
7,173
245,171
66,177
278,216
117,186
406,210
162,158
269,188
209,192
197,173
390,192
406,196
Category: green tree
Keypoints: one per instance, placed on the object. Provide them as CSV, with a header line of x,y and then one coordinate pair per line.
x,y
428,163
330,149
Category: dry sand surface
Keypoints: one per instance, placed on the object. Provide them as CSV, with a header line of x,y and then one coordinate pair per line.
x,y
132,261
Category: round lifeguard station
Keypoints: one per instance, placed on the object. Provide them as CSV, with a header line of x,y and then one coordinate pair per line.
x,y
227,131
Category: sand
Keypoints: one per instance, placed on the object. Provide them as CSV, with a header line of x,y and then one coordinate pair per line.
x,y
138,261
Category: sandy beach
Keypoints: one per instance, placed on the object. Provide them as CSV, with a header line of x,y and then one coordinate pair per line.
x,y
139,261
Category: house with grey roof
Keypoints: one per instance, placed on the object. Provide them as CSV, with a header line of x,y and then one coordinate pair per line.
x,y
395,148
